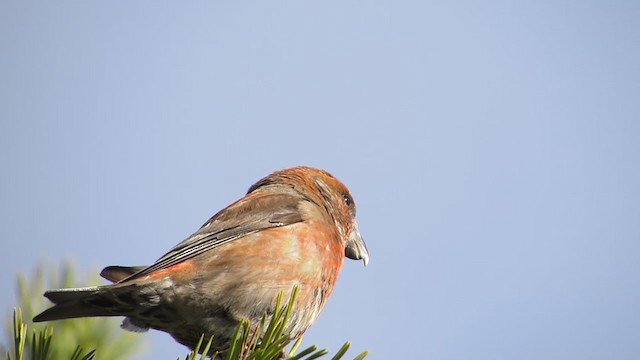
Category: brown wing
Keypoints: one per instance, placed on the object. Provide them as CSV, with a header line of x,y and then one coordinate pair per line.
x,y
254,212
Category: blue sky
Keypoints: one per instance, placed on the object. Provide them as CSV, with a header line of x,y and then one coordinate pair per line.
x,y
492,149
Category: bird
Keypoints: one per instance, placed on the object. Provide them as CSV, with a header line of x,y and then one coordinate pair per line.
x,y
293,228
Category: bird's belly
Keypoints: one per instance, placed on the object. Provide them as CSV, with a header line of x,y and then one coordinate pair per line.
x,y
239,282
242,279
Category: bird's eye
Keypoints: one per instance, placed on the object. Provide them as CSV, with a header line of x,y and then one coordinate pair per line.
x,y
347,199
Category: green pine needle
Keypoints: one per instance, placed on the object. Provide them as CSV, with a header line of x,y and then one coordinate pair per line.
x,y
66,339
270,342
19,334
342,351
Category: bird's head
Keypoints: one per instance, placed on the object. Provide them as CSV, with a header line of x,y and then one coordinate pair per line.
x,y
331,196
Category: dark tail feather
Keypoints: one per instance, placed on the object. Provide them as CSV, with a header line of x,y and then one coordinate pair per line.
x,y
117,273
75,303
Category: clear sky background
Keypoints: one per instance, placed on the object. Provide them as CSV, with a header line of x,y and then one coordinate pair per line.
x,y
493,149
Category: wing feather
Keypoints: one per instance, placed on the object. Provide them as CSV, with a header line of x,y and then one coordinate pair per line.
x,y
255,212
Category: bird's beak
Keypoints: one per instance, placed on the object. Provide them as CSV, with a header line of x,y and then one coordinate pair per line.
x,y
356,249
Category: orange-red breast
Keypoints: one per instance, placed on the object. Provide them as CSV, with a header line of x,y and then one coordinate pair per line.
x,y
293,227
